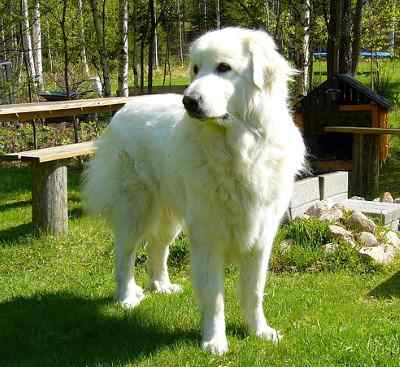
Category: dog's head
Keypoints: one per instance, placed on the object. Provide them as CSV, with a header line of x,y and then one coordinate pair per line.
x,y
230,66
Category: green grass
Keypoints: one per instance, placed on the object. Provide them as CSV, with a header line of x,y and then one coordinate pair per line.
x,y
57,307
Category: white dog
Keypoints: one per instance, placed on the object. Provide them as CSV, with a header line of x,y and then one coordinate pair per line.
x,y
220,165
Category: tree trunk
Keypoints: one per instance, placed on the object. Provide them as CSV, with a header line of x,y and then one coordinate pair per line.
x,y
26,39
85,66
180,32
49,53
218,14
100,37
123,49
151,47
37,45
302,59
334,38
345,39
357,21
156,62
65,50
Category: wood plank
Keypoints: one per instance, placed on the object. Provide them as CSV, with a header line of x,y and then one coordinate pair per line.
x,y
361,130
29,111
53,153
355,107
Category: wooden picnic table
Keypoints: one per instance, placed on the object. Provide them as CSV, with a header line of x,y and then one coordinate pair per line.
x,y
40,110
49,167
365,166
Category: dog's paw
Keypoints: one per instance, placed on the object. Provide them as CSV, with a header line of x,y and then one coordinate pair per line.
x,y
268,333
165,287
217,346
133,298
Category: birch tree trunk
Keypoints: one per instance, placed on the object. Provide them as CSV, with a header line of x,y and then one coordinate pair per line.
x,y
26,40
37,45
123,49
180,32
101,49
85,65
151,47
302,39
218,14
156,62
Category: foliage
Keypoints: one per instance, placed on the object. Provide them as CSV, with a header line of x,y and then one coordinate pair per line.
x,y
16,137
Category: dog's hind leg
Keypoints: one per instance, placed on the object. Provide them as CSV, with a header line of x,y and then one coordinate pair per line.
x,y
158,251
253,273
129,294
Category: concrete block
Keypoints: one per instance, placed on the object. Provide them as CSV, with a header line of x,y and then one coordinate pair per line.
x,y
334,187
387,214
305,194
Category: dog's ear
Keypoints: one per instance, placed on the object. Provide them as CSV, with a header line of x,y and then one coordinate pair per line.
x,y
267,65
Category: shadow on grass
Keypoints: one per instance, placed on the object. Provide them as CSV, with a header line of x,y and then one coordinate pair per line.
x,y
16,234
388,289
67,330
14,205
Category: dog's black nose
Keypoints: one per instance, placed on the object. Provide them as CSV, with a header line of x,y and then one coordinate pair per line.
x,y
192,104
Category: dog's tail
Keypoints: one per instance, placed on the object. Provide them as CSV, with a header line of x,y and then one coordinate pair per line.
x,y
101,181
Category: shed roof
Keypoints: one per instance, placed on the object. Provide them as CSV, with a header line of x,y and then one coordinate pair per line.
x,y
355,84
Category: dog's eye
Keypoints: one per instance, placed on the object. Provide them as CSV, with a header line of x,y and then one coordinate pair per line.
x,y
195,69
223,67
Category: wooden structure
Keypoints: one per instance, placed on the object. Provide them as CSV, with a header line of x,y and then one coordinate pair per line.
x,y
35,111
49,166
366,156
340,101
49,183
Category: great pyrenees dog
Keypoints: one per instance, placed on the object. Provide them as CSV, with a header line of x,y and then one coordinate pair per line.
x,y
219,163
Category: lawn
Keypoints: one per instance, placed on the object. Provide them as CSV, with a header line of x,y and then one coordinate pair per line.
x,y
57,308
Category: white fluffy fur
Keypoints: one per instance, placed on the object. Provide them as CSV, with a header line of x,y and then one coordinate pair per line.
x,y
226,181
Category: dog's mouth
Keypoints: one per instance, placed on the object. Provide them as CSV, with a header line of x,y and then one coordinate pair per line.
x,y
203,117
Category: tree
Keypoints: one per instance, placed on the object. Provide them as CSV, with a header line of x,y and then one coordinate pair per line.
x,y
27,40
37,45
100,37
85,65
123,49
345,39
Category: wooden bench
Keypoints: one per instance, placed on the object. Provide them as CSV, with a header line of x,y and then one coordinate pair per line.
x,y
49,183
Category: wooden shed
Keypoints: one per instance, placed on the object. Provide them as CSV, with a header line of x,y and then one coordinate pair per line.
x,y
340,101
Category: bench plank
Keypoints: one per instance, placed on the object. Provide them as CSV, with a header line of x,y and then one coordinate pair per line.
x,y
53,153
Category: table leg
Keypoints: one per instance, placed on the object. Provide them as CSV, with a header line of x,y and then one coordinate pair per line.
x,y
50,197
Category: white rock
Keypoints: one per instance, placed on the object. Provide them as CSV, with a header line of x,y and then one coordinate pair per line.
x,y
330,248
357,198
332,214
362,222
317,209
285,245
392,239
381,254
343,234
387,197
368,239
377,199
397,200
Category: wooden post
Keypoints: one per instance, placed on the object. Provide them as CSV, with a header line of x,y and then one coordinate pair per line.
x,y
365,173
50,197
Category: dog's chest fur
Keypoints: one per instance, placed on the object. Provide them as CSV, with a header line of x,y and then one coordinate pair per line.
x,y
235,182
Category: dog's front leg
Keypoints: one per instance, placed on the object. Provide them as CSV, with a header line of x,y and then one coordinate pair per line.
x,y
208,281
253,273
